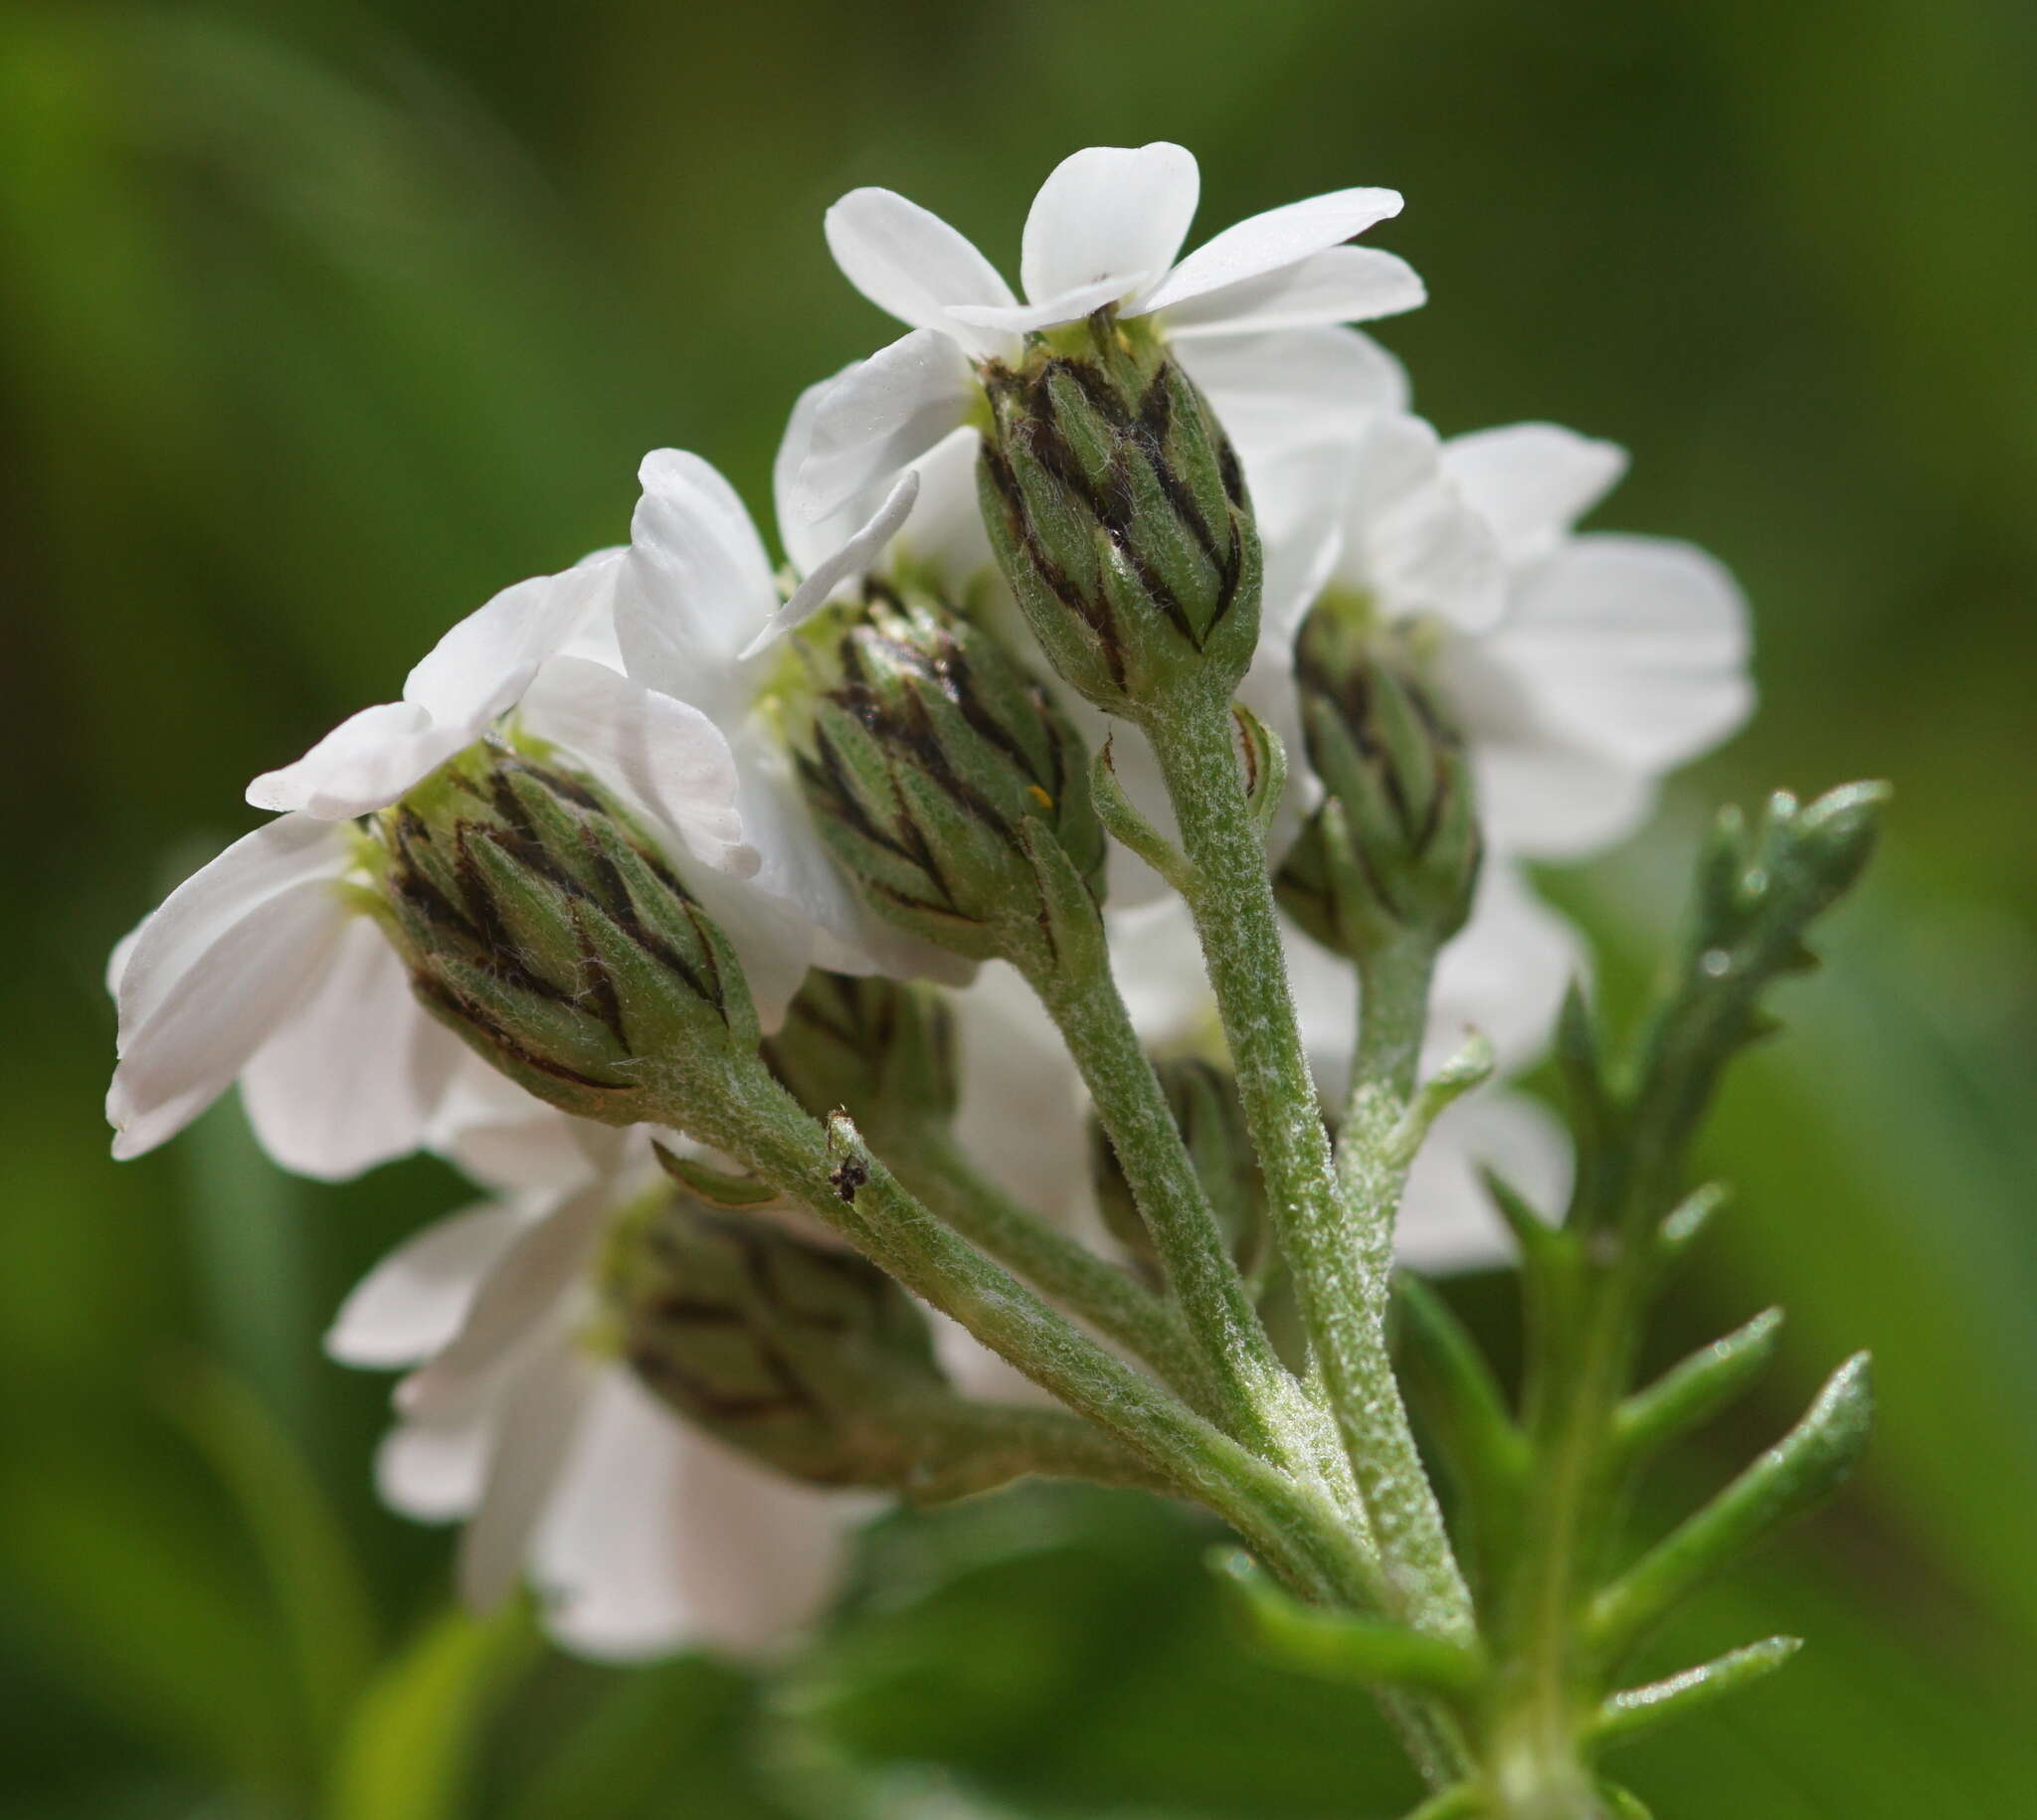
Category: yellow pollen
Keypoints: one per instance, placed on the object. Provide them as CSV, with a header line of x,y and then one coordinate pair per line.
x,y
1039,795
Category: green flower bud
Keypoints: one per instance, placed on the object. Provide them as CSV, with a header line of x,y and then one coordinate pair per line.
x,y
930,759
808,1358
1118,512
546,931
1206,1106
1396,846
879,1049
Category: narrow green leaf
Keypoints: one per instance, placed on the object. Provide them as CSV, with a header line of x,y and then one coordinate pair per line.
x,y
1335,1646
1689,1219
306,1555
415,1730
1540,1243
1795,1475
1123,821
716,1186
1265,764
1458,1803
1692,1392
1478,1435
1634,1710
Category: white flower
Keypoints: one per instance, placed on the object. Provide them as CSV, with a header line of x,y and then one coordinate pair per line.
x,y
258,967
641,1535
1502,976
1579,667
698,619
261,965
1252,311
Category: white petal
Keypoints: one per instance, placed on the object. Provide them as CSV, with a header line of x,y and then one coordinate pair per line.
x,y
1266,243
503,1137
665,755
352,1078
218,969
1618,658
1337,285
479,669
1447,1220
1411,540
536,1426
412,1302
364,763
1504,974
1159,962
1533,481
695,585
659,1537
434,1471
1021,1119
1546,801
882,414
123,951
517,1305
944,532
854,560
773,936
808,540
1109,212
909,261
203,910
1299,386
1637,646
1012,319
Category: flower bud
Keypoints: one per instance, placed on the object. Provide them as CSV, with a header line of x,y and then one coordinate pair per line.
x,y
809,1359
1206,1106
1118,512
926,755
546,931
1396,846
879,1049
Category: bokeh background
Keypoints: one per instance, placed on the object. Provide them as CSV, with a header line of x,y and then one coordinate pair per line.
x,y
321,321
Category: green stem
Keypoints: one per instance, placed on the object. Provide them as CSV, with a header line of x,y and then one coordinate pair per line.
x,y
1342,1303
976,1446
835,1175
1061,1268
1261,1405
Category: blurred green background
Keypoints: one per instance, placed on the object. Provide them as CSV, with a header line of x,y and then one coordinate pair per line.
x,y
321,321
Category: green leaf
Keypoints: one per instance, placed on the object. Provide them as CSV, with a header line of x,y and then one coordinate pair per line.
x,y
304,1548
1480,1441
1336,1647
1794,1476
1636,1709
1692,1392
413,1734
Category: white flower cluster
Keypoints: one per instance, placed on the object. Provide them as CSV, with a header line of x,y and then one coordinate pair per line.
x,y
1579,667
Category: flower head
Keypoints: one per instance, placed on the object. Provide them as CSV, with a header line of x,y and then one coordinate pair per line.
x,y
643,1535
1577,667
263,967
1105,231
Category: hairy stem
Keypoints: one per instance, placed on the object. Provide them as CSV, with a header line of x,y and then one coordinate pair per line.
x,y
835,1175
1061,1268
1260,1402
1342,1304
